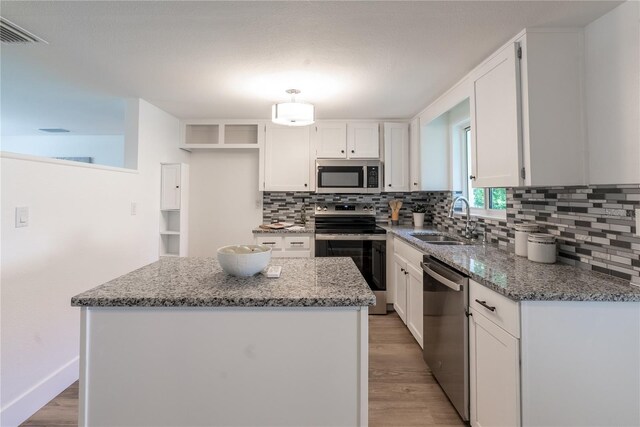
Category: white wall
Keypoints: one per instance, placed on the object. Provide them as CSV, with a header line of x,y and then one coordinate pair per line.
x,y
225,204
81,234
612,76
105,149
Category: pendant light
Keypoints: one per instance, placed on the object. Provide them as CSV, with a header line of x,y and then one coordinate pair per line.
x,y
293,113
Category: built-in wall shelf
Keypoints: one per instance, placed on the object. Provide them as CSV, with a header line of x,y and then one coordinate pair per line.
x,y
221,134
173,209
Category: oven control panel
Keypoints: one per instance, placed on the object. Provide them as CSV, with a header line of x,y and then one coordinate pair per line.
x,y
361,209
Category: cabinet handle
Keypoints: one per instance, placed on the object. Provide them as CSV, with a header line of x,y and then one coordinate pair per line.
x,y
177,186
353,151
389,185
406,272
268,243
415,183
472,177
297,243
485,305
305,185
401,269
342,151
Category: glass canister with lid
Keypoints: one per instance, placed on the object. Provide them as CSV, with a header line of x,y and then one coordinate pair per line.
x,y
522,234
541,248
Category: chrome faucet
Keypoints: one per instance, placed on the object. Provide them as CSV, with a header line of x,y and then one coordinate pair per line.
x,y
468,229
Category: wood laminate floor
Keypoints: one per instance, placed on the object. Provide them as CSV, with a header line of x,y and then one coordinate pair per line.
x,y
402,391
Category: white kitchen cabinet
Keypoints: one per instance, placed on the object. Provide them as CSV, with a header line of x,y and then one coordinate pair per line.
x,y
296,245
414,302
347,140
407,285
400,282
287,158
363,140
494,373
526,113
331,140
221,134
396,157
174,197
414,156
494,358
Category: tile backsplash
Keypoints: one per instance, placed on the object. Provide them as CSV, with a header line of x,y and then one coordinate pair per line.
x,y
594,225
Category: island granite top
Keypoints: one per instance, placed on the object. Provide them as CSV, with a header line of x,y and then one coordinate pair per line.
x,y
200,282
520,279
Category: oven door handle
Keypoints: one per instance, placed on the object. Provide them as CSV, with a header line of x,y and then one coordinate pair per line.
x,y
441,279
351,237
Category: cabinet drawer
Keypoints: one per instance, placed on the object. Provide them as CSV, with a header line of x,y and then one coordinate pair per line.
x,y
297,243
275,242
411,254
505,313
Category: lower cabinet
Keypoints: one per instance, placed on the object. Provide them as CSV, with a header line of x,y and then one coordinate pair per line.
x,y
288,246
407,277
494,374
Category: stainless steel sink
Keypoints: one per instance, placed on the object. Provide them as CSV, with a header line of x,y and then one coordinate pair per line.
x,y
443,239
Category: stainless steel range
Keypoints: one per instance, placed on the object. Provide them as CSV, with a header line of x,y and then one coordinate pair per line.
x,y
350,230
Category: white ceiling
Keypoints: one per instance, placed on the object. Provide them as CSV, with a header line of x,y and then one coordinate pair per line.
x,y
361,60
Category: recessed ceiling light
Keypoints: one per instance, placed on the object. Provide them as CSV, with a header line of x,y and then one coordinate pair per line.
x,y
54,130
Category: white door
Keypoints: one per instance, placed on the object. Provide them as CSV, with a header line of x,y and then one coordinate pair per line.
x,y
363,140
494,374
287,165
331,140
170,193
495,120
414,155
396,157
414,302
400,282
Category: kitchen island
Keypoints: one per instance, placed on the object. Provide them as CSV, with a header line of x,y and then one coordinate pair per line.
x,y
179,342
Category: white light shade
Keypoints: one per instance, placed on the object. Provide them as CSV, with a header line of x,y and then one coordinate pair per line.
x,y
293,114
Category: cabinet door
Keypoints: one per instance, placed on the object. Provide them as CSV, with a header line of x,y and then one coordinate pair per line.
x,y
170,196
363,140
494,374
496,122
414,302
287,165
414,155
396,157
331,140
400,281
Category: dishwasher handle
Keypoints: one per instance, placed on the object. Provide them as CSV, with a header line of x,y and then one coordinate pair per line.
x,y
426,267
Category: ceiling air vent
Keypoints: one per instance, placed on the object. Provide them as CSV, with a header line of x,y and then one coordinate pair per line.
x,y
11,33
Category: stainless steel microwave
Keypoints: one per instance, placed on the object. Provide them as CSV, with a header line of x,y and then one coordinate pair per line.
x,y
348,176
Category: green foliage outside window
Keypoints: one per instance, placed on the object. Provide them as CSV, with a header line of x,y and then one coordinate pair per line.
x,y
498,198
478,198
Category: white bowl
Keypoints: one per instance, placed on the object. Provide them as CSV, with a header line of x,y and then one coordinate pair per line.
x,y
244,260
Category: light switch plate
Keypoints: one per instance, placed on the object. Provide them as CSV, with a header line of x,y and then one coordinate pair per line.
x,y
134,208
22,217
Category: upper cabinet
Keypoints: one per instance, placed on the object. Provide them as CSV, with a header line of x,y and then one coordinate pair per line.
x,y
287,158
396,157
526,113
331,140
347,140
363,140
414,155
220,134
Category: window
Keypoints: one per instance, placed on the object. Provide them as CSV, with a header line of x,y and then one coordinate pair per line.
x,y
483,201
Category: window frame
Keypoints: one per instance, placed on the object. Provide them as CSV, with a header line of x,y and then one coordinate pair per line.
x,y
487,212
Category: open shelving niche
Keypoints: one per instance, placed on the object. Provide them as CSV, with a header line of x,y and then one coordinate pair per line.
x,y
222,134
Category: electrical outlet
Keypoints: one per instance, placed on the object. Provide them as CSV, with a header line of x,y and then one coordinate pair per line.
x,y
22,217
134,208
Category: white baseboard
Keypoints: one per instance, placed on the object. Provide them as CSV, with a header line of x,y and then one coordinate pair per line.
x,y
20,409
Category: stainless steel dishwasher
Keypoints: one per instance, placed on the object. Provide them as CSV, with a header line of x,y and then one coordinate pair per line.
x,y
446,330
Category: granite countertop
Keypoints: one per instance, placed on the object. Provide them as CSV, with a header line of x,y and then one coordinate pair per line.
x,y
520,279
307,229
200,282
